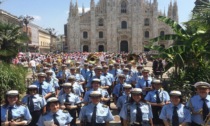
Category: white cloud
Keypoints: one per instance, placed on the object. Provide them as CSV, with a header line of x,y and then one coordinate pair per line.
x,y
80,9
37,18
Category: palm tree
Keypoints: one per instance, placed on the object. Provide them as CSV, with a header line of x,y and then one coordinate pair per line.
x,y
11,38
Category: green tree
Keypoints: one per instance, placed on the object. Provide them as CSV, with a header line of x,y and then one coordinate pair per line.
x,y
11,39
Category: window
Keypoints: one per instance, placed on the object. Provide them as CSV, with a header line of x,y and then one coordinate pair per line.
x,y
146,34
146,22
101,34
85,35
162,33
100,22
123,7
124,25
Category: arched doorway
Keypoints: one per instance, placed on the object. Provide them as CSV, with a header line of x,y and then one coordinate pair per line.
x,y
124,46
85,48
100,48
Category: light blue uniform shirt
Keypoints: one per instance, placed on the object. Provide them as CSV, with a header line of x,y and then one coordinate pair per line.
x,y
83,72
109,76
79,77
135,77
89,78
142,83
73,99
117,88
53,82
38,100
103,92
46,88
196,104
60,74
77,88
144,107
163,95
122,100
103,113
103,79
183,113
63,117
17,112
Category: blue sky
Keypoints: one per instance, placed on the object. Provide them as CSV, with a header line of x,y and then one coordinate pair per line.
x,y
54,13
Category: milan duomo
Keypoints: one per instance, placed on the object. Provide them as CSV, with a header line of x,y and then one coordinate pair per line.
x,y
117,25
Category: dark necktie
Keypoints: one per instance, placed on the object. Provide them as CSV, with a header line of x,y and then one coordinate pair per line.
x,y
205,109
147,84
31,104
10,113
91,74
157,97
115,73
175,118
67,98
93,119
121,90
40,88
85,71
55,120
138,113
128,98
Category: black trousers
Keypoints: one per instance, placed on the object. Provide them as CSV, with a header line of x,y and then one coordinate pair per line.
x,y
35,117
73,114
156,111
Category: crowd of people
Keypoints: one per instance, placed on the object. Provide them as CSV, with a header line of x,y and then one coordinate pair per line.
x,y
82,86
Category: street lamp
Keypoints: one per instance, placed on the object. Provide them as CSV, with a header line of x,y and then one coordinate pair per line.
x,y
51,32
26,20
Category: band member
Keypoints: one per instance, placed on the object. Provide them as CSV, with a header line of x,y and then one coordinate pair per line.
x,y
35,102
89,76
69,101
12,112
175,113
136,112
79,78
96,87
200,104
109,77
138,74
118,89
52,81
95,113
157,98
55,116
124,99
145,82
63,74
44,88
84,70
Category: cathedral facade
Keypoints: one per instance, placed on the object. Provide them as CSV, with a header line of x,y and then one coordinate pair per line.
x,y
117,25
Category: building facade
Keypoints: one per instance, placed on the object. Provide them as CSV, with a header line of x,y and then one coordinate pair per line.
x,y
117,25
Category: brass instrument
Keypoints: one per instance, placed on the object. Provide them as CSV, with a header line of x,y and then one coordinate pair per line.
x,y
207,120
92,59
70,62
132,59
112,61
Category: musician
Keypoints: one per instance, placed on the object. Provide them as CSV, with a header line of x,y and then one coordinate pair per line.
x,y
49,66
127,75
200,104
12,112
69,101
137,75
52,81
55,116
105,83
118,89
157,98
35,102
136,112
124,99
44,88
89,76
96,87
175,113
95,113
55,68
84,70
79,78
145,82
63,74
111,70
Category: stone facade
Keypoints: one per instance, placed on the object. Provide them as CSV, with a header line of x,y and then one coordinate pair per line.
x,y
117,25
